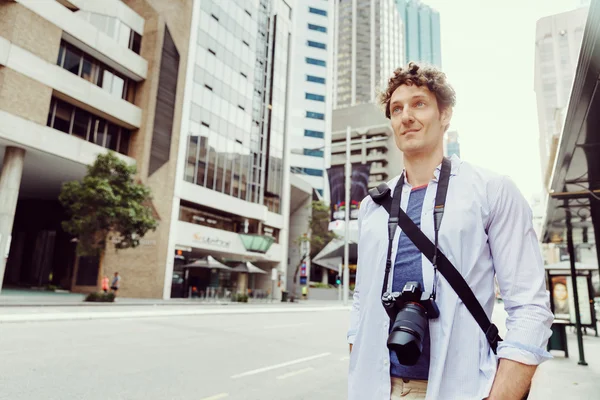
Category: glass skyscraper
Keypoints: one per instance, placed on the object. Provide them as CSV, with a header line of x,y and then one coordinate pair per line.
x,y
369,48
237,117
421,32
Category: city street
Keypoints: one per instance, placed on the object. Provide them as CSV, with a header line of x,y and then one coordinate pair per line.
x,y
268,351
301,355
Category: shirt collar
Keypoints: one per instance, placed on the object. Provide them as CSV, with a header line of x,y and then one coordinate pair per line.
x,y
455,169
455,162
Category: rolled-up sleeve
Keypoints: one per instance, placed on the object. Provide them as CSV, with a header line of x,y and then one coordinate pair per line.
x,y
520,272
355,310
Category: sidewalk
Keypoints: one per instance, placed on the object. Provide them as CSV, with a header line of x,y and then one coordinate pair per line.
x,y
563,378
35,298
560,377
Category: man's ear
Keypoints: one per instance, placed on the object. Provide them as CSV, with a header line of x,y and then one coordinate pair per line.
x,y
446,116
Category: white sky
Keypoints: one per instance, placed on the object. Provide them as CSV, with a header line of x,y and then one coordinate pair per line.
x,y
488,56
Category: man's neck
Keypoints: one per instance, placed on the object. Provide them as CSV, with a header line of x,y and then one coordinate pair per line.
x,y
420,167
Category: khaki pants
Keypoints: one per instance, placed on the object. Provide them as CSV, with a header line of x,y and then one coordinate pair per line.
x,y
408,390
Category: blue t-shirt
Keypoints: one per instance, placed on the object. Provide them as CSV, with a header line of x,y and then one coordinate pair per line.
x,y
408,267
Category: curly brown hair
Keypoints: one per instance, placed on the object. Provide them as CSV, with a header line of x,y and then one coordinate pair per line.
x,y
415,74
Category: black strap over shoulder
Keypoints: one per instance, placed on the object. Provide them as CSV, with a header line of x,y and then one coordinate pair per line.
x,y
382,196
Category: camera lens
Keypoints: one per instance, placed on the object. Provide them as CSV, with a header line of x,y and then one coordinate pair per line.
x,y
408,331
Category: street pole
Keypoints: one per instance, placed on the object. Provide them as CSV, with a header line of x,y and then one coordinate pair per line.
x,y
346,275
340,268
571,249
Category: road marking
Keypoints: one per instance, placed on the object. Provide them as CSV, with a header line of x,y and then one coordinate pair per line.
x,y
287,326
217,396
300,371
244,329
285,364
345,358
51,315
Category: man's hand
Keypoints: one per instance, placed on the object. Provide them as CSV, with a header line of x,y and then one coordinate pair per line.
x,y
512,381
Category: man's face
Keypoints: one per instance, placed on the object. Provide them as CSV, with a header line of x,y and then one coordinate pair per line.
x,y
417,121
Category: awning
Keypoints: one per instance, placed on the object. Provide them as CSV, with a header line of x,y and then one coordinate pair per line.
x,y
249,268
207,262
575,180
335,249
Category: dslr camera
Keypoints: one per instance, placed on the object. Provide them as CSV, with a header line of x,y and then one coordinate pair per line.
x,y
409,310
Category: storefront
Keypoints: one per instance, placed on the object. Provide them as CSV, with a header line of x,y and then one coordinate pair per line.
x,y
209,263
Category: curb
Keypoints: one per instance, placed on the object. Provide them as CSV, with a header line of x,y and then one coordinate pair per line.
x,y
40,317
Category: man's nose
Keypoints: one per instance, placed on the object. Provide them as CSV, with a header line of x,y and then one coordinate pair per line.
x,y
407,116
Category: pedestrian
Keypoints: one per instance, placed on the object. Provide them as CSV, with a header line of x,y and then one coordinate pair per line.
x,y
116,283
438,348
105,284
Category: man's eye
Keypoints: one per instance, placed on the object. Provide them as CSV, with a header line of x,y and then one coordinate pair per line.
x,y
396,110
420,104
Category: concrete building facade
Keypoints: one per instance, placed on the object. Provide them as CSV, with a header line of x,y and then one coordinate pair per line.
x,y
80,78
372,141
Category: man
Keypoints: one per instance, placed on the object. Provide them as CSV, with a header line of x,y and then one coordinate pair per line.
x,y
116,282
486,230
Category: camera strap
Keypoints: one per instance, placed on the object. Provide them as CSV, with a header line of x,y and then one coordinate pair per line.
x,y
382,196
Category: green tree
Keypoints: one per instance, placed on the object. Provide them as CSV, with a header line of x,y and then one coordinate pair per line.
x,y
320,235
108,203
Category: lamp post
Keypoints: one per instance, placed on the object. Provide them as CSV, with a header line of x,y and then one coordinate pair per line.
x,y
346,275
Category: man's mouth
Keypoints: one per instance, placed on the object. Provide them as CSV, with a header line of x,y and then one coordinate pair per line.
x,y
411,131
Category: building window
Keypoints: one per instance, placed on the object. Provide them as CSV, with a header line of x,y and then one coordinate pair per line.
x,y
317,45
85,66
188,213
317,11
315,79
319,28
77,122
313,152
135,42
316,97
314,61
315,134
312,171
315,115
320,191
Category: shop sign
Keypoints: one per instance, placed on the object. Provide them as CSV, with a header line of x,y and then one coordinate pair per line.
x,y
210,240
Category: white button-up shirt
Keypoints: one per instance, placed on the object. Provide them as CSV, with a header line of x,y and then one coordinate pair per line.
x,y
487,230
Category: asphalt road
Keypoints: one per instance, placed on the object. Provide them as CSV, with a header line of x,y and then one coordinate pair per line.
x,y
280,356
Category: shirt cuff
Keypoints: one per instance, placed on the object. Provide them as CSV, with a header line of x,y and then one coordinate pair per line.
x,y
351,336
522,353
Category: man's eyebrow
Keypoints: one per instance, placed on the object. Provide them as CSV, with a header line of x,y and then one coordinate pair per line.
x,y
416,96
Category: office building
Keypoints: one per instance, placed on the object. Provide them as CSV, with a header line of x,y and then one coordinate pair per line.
x,y
372,142
77,79
231,195
369,43
451,144
422,34
310,91
557,47
193,93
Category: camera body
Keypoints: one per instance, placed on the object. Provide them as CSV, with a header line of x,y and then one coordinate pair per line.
x,y
410,311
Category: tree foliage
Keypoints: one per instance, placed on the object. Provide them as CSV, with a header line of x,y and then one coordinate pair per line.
x,y
320,234
108,201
